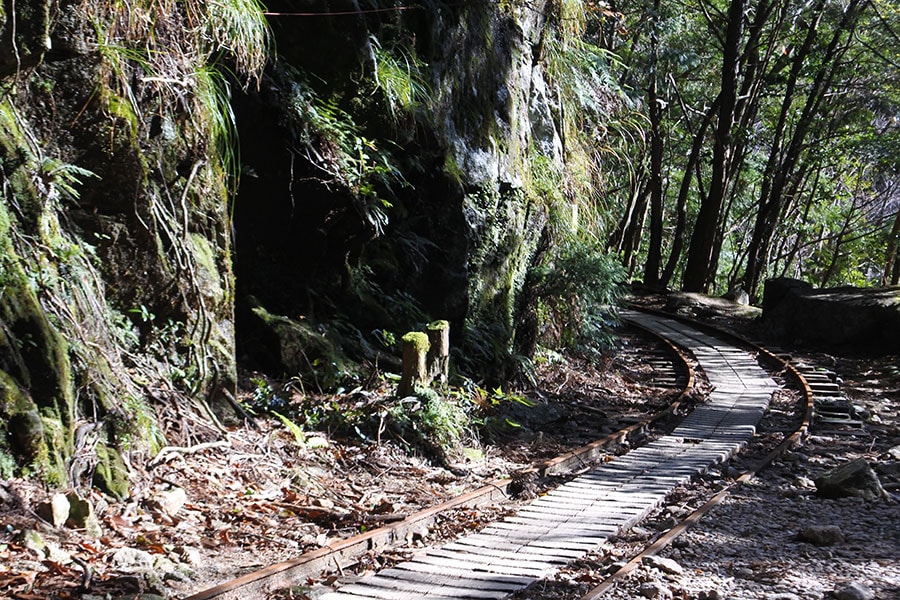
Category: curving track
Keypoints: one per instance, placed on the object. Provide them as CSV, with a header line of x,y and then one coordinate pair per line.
x,y
579,516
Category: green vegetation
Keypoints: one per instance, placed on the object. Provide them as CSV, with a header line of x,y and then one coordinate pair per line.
x,y
397,76
347,158
577,293
153,92
791,172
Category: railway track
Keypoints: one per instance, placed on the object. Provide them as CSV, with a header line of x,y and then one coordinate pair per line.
x,y
575,518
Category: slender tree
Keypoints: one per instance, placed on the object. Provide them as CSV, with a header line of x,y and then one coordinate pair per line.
x,y
699,269
655,111
785,154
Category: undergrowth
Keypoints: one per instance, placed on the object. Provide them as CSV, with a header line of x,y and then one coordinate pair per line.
x,y
446,424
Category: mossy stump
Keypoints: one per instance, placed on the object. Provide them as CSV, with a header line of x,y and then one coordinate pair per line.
x,y
438,358
415,346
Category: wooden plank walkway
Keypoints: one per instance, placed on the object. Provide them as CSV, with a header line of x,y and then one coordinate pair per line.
x,y
579,516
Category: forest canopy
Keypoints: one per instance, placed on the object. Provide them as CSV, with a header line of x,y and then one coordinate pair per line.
x,y
770,146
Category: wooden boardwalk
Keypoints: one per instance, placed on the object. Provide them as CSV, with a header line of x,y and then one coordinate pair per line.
x,y
579,516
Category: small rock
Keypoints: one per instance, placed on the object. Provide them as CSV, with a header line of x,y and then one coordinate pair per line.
x,y
57,554
710,595
821,535
323,502
132,560
855,478
805,482
666,565
164,565
33,540
171,501
55,511
7,498
640,533
82,516
654,589
854,591
894,452
616,566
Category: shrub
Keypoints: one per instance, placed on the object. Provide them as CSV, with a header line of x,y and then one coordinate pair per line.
x,y
577,292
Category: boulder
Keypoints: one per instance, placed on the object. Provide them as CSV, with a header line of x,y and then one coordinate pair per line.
x,y
654,590
55,510
855,478
666,565
866,319
854,591
821,535
738,295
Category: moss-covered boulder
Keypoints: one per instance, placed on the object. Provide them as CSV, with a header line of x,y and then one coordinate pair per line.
x,y
301,349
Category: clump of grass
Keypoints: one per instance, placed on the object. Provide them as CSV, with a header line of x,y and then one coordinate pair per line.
x,y
398,76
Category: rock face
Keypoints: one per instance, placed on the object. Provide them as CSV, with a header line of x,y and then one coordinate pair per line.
x,y
395,167
867,319
459,226
117,286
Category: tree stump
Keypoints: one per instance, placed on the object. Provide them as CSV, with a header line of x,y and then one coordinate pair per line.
x,y
415,347
439,352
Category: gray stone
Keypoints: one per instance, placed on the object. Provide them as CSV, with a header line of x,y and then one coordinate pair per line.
x,y
654,589
867,318
132,560
55,510
666,565
82,516
57,554
738,295
855,478
821,535
34,541
170,501
854,591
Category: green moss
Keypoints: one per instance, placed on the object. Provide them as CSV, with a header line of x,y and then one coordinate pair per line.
x,y
7,464
439,325
207,266
58,444
417,340
122,108
111,475
13,399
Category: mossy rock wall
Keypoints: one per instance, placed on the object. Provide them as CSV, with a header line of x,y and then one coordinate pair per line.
x,y
464,221
115,243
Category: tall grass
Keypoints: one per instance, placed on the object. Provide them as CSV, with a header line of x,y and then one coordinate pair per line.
x,y
397,75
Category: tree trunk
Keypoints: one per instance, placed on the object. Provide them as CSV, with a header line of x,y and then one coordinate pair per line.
x,y
782,161
634,231
654,252
700,264
693,163
891,274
